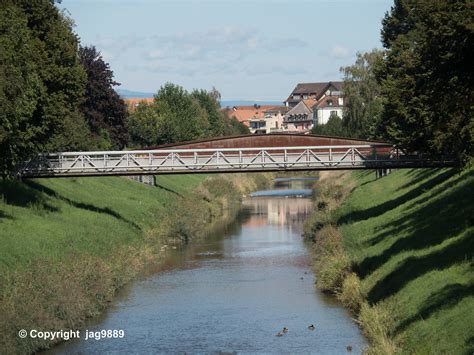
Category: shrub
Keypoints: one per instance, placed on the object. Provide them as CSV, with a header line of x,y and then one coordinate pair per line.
x,y
351,295
378,323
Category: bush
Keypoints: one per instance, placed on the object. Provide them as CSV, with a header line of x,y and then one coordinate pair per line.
x,y
351,295
331,261
378,323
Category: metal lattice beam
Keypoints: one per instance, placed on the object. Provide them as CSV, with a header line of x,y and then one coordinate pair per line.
x,y
162,161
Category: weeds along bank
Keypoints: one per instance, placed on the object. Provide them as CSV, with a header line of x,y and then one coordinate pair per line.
x,y
68,244
398,252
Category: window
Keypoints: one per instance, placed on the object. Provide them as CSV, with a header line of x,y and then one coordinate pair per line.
x,y
305,97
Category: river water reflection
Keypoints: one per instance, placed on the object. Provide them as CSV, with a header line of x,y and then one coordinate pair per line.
x,y
232,293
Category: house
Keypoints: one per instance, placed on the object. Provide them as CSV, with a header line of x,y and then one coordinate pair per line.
x,y
257,125
251,116
300,117
271,122
326,106
305,91
274,119
132,104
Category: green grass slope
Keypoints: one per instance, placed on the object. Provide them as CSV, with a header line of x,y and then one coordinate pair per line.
x,y
410,238
67,245
46,218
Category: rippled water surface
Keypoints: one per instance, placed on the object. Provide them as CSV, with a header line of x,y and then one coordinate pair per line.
x,y
232,293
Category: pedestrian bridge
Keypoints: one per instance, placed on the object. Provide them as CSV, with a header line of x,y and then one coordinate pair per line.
x,y
273,152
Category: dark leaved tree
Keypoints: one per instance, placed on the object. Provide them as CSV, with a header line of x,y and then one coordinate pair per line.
x,y
102,107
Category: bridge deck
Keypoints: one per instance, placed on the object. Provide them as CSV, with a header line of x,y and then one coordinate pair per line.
x,y
223,160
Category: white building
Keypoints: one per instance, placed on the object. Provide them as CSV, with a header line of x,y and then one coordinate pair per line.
x,y
327,106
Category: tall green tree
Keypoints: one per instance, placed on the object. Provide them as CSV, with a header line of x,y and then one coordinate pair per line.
x,y
41,81
103,109
20,88
427,76
364,103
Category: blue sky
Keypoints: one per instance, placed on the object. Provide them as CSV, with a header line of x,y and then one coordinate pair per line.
x,y
253,50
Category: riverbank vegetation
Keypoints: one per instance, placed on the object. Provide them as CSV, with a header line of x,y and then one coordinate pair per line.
x,y
69,244
398,252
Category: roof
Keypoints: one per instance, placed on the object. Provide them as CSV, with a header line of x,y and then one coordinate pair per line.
x,y
282,109
314,88
310,103
245,113
324,102
301,108
133,103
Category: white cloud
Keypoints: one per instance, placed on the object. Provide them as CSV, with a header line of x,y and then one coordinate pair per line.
x,y
339,51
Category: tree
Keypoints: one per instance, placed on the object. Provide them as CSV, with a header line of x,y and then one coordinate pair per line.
x,y
333,127
364,104
232,126
176,116
183,117
20,88
427,77
103,109
145,126
210,102
41,81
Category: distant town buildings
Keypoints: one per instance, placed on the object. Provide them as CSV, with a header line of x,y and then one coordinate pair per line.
x,y
132,104
309,104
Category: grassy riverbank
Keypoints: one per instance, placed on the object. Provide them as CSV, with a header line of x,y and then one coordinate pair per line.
x,y
399,252
68,244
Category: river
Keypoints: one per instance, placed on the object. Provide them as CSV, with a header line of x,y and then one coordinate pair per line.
x,y
233,292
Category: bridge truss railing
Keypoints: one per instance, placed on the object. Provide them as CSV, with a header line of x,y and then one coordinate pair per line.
x,y
160,161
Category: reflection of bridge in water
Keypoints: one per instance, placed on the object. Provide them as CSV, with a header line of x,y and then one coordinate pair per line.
x,y
288,212
274,152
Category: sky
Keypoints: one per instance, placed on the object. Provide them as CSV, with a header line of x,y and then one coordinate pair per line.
x,y
246,49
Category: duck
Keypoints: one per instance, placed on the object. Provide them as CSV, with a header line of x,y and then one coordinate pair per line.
x,y
312,327
279,334
349,348
285,330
